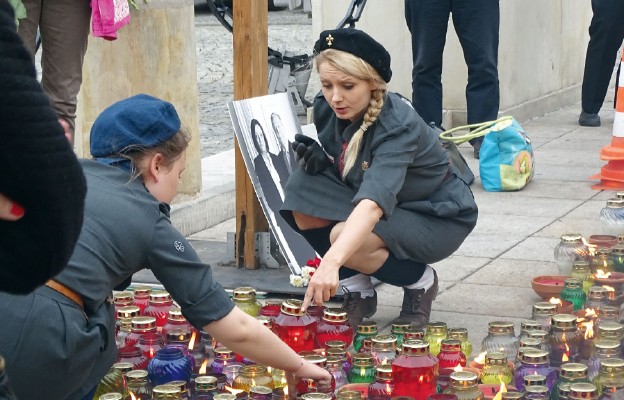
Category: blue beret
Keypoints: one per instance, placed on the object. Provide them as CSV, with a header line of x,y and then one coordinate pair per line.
x,y
138,120
358,43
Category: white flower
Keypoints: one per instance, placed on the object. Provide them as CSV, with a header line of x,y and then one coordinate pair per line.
x,y
296,281
306,273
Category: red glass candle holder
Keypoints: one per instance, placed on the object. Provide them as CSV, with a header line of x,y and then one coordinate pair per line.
x,y
294,327
159,305
141,296
334,326
122,299
415,371
175,320
450,355
150,343
140,326
134,356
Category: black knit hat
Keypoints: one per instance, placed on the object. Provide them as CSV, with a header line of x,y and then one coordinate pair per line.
x,y
358,43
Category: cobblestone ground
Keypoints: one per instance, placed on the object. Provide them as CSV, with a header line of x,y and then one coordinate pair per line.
x,y
288,30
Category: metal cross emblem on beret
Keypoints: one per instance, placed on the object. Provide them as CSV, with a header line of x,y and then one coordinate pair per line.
x,y
329,39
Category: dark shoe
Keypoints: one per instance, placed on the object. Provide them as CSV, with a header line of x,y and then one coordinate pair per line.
x,y
587,119
358,308
476,147
417,304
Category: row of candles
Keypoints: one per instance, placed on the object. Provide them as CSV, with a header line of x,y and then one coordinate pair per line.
x,y
366,366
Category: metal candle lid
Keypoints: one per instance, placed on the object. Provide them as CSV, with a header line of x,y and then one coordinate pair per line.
x,y
123,367
362,359
615,203
530,324
136,376
253,370
414,333
437,327
384,373
534,380
612,366
111,396
495,358
124,298
264,320
244,293
316,396
463,379
607,347
334,361
603,251
336,352
259,390
292,307
610,329
534,356
349,395
316,359
175,314
335,315
336,344
501,328
450,345
571,237
512,395
179,335
544,308
583,391
141,292
597,292
572,283
143,324
400,327
367,328
608,312
538,334
611,386
223,353
564,321
384,342
538,390
415,347
573,371
458,333
564,390
224,396
160,297
128,312
183,385
166,392
530,342
205,383
580,266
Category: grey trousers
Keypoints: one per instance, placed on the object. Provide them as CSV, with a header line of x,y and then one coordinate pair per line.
x,y
64,27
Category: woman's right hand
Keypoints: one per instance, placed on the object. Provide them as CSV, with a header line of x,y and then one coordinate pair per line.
x,y
9,210
308,370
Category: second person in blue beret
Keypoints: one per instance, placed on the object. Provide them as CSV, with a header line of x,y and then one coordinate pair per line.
x,y
380,198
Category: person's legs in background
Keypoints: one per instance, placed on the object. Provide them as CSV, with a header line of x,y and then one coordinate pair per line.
x,y
64,28
427,21
477,25
606,33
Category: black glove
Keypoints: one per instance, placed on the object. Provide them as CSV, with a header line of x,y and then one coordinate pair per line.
x,y
311,156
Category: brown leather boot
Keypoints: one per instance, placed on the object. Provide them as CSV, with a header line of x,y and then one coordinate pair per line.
x,y
358,308
416,306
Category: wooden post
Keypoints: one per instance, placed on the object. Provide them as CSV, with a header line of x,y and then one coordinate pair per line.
x,y
250,80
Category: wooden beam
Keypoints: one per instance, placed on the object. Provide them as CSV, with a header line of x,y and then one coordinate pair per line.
x,y
250,79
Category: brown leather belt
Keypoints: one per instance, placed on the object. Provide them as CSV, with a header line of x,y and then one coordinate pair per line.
x,y
65,291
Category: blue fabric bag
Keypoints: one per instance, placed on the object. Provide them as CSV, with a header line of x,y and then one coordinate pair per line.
x,y
506,161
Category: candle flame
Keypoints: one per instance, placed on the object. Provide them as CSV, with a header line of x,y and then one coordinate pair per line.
x,y
480,359
564,358
609,288
600,274
458,368
286,390
590,312
232,390
566,355
590,247
132,396
192,341
151,353
554,300
421,378
503,389
589,329
203,367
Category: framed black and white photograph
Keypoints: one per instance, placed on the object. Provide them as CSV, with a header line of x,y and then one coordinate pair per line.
x,y
265,127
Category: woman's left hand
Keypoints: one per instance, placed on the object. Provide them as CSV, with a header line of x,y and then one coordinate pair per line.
x,y
323,284
321,377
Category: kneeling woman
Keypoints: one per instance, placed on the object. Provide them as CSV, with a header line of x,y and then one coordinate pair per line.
x,y
382,199
59,341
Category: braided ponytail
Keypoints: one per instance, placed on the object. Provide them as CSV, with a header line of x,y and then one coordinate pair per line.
x,y
374,108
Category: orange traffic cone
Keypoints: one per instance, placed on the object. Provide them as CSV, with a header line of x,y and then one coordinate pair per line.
x,y
612,175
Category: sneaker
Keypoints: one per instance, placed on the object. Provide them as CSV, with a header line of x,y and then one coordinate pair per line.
x,y
587,119
417,304
358,308
476,148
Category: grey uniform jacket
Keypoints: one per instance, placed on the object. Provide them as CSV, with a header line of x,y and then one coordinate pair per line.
x,y
402,167
46,337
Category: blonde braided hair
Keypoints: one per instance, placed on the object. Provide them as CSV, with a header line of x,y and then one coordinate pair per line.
x,y
356,67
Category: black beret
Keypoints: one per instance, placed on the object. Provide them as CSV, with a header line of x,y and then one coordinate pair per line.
x,y
358,43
